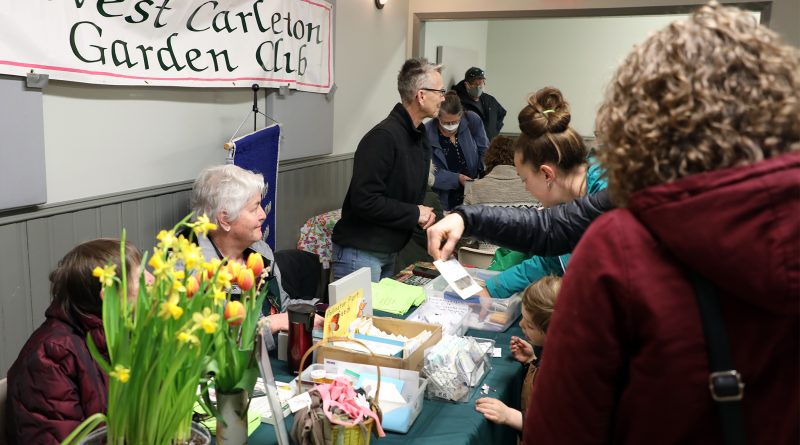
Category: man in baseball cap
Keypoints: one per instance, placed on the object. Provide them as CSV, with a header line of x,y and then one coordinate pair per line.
x,y
473,98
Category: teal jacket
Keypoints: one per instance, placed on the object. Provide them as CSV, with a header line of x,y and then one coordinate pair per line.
x,y
520,276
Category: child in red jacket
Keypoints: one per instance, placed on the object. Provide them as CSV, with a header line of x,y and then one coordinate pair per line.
x,y
538,302
55,383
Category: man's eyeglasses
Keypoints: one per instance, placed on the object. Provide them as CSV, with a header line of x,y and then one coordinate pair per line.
x,y
441,92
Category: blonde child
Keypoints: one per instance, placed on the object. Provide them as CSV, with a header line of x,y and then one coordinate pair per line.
x,y
538,301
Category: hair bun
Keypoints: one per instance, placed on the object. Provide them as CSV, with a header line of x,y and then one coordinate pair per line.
x,y
546,112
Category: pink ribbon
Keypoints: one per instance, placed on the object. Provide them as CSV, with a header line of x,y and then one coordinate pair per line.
x,y
340,394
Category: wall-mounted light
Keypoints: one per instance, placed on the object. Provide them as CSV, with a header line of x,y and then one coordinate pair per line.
x,y
380,3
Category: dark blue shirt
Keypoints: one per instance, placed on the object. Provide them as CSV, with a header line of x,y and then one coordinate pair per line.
x,y
455,163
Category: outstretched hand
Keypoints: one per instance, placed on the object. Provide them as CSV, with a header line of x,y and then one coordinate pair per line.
x,y
448,231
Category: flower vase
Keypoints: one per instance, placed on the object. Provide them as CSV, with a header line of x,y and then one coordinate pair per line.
x,y
200,436
232,408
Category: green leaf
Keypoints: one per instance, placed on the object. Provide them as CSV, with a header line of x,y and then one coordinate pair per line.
x,y
97,355
248,380
83,430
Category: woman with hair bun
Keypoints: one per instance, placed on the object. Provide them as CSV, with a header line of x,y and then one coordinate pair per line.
x,y
459,142
552,161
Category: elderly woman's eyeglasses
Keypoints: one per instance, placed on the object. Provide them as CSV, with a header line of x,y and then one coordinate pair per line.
x,y
441,92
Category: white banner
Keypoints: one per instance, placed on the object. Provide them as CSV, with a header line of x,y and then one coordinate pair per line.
x,y
190,43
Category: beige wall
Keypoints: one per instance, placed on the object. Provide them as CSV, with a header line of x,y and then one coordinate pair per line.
x,y
785,16
465,34
370,47
523,57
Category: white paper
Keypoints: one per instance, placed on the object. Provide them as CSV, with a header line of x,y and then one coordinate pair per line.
x,y
497,352
299,402
389,392
458,278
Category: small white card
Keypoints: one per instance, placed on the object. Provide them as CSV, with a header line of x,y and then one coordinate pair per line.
x,y
497,352
299,402
458,278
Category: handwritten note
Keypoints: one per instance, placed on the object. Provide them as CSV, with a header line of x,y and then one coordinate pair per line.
x,y
339,316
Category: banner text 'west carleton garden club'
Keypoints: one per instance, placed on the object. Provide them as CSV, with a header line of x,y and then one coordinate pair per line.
x,y
270,40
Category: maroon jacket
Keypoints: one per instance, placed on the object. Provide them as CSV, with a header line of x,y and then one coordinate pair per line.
x,y
626,356
55,383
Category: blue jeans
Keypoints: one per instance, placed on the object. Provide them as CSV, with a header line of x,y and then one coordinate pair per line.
x,y
349,259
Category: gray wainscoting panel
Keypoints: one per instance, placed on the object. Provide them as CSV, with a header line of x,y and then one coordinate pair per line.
x,y
15,306
307,191
32,241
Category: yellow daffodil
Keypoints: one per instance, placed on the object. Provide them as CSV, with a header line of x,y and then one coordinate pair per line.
x,y
224,278
105,274
171,308
188,337
160,267
120,373
219,295
192,256
206,320
203,225
177,288
166,239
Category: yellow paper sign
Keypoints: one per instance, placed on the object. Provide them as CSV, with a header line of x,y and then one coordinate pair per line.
x,y
339,316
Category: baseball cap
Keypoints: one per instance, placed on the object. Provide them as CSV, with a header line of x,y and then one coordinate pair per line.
x,y
474,73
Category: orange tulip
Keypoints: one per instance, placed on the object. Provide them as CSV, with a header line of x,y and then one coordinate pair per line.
x,y
246,280
192,286
255,262
211,267
234,268
234,313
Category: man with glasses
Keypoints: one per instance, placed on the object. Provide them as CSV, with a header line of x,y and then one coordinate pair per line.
x,y
390,177
473,98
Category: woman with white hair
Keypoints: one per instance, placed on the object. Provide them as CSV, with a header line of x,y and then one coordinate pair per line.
x,y
231,197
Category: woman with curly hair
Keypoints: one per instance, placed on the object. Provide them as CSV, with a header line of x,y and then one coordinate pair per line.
x,y
700,134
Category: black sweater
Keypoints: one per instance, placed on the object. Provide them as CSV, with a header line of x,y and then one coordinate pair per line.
x,y
488,108
547,232
390,175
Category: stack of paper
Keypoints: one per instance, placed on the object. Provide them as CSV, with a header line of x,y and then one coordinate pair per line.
x,y
260,405
395,297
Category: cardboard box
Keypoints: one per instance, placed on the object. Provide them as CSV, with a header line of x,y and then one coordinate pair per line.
x,y
394,326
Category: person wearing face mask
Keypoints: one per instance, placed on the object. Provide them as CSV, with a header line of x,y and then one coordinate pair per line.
x,y
475,99
459,142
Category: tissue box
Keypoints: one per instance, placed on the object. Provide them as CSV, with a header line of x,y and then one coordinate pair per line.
x,y
456,367
393,326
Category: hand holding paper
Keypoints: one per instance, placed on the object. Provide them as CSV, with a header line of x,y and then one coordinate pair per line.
x,y
458,278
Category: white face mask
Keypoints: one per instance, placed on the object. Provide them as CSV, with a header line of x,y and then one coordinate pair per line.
x,y
450,128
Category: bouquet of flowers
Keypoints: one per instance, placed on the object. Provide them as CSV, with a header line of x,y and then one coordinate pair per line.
x,y
233,366
160,342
